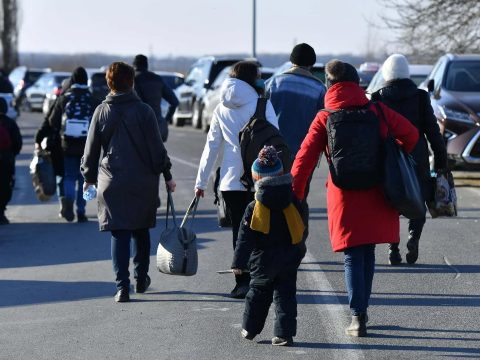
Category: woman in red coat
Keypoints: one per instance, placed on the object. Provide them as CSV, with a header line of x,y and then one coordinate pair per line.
x,y
357,219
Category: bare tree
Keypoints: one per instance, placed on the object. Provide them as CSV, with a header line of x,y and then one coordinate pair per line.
x,y
428,28
9,34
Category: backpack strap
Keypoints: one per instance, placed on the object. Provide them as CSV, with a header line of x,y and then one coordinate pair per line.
x,y
261,110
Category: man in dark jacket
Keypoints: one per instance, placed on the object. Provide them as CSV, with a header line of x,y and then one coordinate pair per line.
x,y
402,95
271,244
151,89
10,146
69,121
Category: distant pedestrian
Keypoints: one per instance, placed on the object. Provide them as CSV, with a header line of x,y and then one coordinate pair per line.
x,y
271,246
124,157
297,95
401,94
10,146
152,89
68,122
239,96
357,219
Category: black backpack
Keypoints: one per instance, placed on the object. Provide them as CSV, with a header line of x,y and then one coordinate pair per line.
x,y
257,133
77,115
354,148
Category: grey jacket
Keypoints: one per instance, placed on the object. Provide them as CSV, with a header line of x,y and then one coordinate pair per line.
x,y
125,155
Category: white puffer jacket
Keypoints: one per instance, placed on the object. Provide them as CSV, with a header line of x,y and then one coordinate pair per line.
x,y
237,106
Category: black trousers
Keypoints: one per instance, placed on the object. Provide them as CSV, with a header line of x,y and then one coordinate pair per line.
x,y
278,286
7,171
236,202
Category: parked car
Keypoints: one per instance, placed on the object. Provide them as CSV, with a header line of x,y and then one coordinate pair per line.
x,y
22,78
48,83
366,72
172,80
98,85
318,70
12,113
454,87
212,98
199,79
418,73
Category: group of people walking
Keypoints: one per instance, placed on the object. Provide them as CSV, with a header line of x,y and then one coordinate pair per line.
x,y
123,155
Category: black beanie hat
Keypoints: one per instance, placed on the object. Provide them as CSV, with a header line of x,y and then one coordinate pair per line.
x,y
79,76
140,62
303,55
339,71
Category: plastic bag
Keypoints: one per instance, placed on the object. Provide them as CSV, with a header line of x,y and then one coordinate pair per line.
x,y
445,197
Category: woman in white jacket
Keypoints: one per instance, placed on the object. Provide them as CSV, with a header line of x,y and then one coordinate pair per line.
x,y
239,97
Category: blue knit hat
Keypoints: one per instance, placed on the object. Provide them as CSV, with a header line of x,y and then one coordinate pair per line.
x,y
267,164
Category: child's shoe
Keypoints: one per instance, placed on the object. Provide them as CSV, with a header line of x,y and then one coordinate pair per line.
x,y
279,341
247,335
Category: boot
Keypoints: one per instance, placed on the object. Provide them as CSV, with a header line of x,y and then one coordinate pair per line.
x,y
358,326
394,257
66,209
414,233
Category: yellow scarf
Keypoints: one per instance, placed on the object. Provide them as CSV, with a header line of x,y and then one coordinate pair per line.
x,y
261,221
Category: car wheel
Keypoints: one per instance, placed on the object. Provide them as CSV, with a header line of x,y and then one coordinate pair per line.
x,y
205,121
197,115
177,121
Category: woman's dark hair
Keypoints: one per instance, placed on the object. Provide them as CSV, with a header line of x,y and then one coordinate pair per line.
x,y
247,71
120,76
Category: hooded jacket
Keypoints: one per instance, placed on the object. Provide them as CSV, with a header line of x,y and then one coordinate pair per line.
x,y
355,217
237,105
274,250
125,155
296,96
403,96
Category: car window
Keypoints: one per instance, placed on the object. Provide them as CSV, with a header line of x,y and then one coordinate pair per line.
x,y
463,76
418,79
57,79
195,75
221,78
32,76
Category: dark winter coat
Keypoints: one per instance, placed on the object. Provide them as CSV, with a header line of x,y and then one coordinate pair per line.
x,y
268,254
133,157
8,155
403,96
355,217
69,145
151,89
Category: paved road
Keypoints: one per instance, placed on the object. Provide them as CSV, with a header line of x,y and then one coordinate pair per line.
x,y
56,288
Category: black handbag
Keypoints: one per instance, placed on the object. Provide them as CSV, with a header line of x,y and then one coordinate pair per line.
x,y
401,186
224,220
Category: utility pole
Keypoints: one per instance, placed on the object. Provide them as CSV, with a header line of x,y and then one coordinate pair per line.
x,y
254,40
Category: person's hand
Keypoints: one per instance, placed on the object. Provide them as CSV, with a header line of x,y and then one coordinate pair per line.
x,y
86,185
199,193
171,185
237,271
37,146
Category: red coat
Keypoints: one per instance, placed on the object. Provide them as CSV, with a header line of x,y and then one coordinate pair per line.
x,y
354,217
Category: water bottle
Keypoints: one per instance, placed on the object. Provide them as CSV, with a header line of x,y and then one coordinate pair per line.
x,y
90,193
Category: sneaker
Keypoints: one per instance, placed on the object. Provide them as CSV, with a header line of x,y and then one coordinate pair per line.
x,y
122,295
358,326
142,286
280,341
81,218
239,291
4,220
394,257
246,335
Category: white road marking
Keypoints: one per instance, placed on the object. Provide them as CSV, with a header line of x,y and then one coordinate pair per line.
x,y
332,313
184,162
453,267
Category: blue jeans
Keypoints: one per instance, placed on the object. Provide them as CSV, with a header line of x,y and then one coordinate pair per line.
x,y
73,181
121,255
359,270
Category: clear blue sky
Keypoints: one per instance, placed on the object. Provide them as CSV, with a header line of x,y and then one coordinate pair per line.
x,y
197,27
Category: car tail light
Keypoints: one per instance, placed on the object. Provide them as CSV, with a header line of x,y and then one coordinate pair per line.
x,y
57,90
